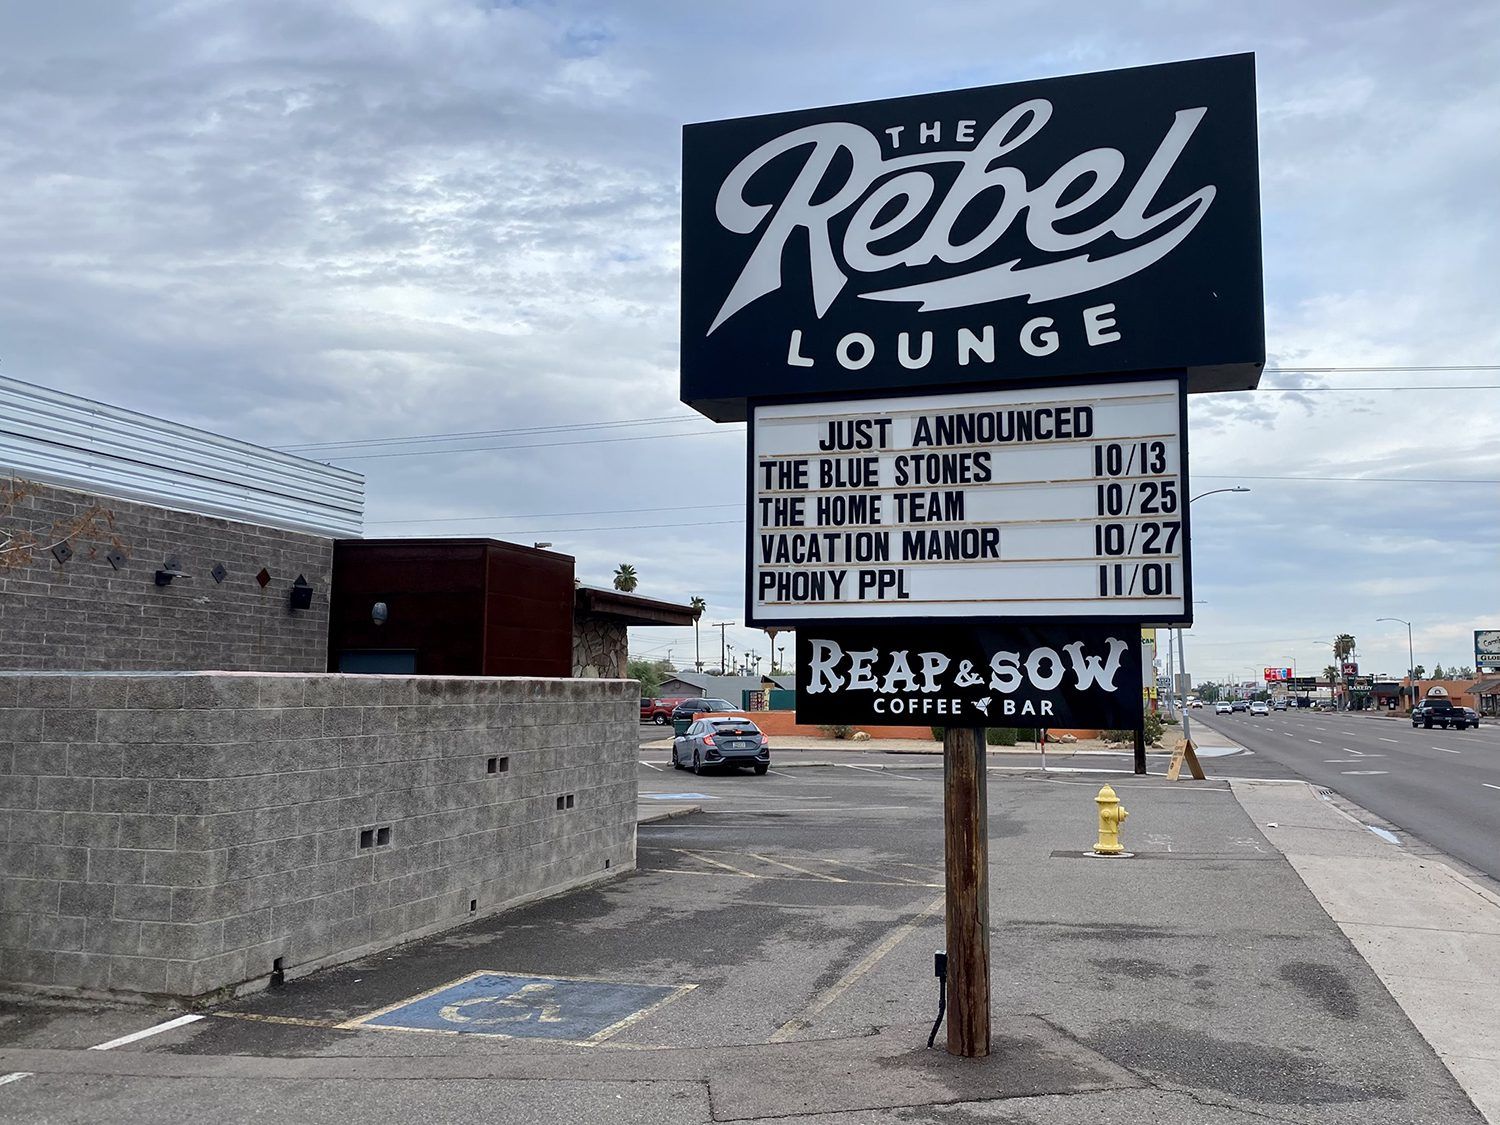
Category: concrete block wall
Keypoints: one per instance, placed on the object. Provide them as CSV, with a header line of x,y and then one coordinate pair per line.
x,y
86,613
183,833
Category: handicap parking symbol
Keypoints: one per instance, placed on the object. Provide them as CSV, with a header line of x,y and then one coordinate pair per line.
x,y
516,1006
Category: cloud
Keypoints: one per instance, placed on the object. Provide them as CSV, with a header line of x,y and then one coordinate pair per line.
x,y
300,223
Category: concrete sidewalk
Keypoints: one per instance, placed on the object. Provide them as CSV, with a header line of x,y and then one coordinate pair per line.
x,y
1221,977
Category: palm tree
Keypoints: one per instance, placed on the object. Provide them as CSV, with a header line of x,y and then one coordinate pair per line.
x,y
699,605
625,580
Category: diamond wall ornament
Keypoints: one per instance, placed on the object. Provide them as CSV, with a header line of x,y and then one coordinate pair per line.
x,y
220,572
62,552
264,578
115,557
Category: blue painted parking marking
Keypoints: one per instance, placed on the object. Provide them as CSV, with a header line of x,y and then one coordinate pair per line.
x,y
678,797
524,1006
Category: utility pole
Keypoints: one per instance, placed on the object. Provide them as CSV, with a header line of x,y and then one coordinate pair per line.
x,y
966,848
723,645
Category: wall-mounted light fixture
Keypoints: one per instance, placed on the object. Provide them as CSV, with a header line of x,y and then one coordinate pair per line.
x,y
302,594
170,568
380,613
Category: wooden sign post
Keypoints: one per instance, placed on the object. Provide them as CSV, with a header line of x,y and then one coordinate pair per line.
x,y
966,848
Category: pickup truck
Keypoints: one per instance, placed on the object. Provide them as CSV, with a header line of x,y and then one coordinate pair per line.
x,y
1437,712
659,711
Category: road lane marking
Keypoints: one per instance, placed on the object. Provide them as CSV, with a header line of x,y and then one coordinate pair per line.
x,y
1361,773
716,863
1445,750
14,1076
180,1021
1487,785
794,867
844,983
1315,742
1396,741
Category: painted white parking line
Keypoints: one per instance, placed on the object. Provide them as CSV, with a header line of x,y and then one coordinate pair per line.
x,y
1487,785
651,765
180,1021
14,1076
1445,750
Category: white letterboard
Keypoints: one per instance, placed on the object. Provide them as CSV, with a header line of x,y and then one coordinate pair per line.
x,y
1046,502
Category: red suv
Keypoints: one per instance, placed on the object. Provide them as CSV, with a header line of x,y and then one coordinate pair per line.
x,y
659,711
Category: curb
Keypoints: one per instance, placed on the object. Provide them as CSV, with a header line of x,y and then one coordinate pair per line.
x,y
670,812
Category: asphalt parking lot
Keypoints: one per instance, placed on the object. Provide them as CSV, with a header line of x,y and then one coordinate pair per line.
x,y
772,956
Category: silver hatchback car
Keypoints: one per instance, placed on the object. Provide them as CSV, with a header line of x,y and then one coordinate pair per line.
x,y
721,742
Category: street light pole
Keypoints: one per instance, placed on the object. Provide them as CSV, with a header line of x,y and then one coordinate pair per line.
x,y
1187,726
1411,658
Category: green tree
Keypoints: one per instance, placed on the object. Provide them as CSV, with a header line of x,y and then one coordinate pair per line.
x,y
625,580
1419,672
1343,646
650,673
1464,673
699,605
1437,672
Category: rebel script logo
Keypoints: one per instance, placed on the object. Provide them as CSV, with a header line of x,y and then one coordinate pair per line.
x,y
1068,265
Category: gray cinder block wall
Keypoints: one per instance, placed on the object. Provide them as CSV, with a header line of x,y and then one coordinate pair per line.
x,y
178,834
90,613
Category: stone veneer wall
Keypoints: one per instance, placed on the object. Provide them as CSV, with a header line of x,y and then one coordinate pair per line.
x,y
183,833
88,613
600,647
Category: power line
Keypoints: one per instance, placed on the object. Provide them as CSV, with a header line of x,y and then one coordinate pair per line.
x,y
1351,480
454,435
1408,387
623,527
570,427
530,445
555,515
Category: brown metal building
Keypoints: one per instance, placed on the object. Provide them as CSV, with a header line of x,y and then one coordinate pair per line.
x,y
477,607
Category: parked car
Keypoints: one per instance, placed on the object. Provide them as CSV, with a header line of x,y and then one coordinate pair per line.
x,y
1259,708
691,706
721,742
1223,708
1241,705
659,711
1473,715
1279,705
1435,711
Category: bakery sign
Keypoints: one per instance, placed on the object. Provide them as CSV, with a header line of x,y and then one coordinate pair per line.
x,y
1099,224
1053,675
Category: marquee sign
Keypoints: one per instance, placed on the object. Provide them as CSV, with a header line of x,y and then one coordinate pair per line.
x,y
1276,675
1054,675
1094,225
1052,502
1486,648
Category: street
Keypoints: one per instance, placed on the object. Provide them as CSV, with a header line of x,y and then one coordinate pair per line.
x,y
1441,785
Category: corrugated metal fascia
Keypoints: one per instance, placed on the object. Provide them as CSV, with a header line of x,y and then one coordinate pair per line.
x,y
73,441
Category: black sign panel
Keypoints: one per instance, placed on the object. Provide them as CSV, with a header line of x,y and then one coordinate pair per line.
x,y
1056,674
1302,683
1066,228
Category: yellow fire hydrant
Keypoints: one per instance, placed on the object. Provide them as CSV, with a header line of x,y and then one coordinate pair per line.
x,y
1112,816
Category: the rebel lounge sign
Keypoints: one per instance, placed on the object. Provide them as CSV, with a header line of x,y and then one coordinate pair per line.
x,y
1055,675
1065,228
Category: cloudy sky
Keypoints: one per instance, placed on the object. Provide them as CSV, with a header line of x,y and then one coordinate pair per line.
x,y
303,222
